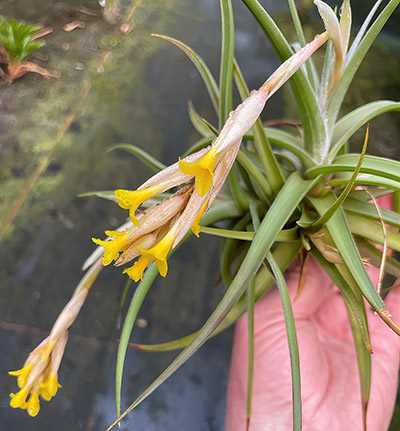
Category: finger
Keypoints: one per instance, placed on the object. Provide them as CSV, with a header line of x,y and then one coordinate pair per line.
x,y
385,365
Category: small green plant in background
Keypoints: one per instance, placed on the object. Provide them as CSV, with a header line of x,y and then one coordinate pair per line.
x,y
291,193
19,40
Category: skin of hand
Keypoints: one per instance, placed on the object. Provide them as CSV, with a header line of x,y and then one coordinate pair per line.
x,y
330,387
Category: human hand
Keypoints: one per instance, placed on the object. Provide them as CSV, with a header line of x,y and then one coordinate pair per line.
x,y
329,376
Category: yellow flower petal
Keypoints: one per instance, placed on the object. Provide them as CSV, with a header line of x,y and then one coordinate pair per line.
x,y
18,399
33,405
136,271
203,171
49,387
160,251
131,200
113,247
22,374
195,226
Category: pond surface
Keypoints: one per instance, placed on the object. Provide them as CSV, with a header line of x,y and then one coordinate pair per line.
x,y
115,88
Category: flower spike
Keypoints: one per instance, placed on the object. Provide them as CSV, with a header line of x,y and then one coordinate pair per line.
x,y
39,375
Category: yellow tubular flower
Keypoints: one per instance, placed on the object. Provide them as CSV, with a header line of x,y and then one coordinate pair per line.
x,y
135,272
203,171
49,387
19,399
33,405
113,247
131,200
195,226
159,252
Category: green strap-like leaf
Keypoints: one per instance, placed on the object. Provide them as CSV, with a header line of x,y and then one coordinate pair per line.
x,y
292,340
134,307
239,195
311,116
374,256
226,66
250,359
310,68
290,143
372,165
342,86
255,173
282,208
286,235
141,154
198,122
366,180
366,209
341,236
201,67
349,124
372,231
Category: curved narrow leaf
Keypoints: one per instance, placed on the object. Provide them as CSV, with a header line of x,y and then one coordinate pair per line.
x,y
372,231
240,196
372,165
342,86
198,122
366,209
350,123
133,310
282,208
292,340
365,196
255,173
341,236
141,154
361,32
285,235
366,180
201,143
326,74
374,256
230,250
290,143
250,359
201,67
226,66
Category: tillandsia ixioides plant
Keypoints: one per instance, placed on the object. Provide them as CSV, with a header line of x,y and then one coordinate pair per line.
x,y
294,192
17,41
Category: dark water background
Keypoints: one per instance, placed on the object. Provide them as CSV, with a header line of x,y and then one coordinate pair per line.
x,y
118,88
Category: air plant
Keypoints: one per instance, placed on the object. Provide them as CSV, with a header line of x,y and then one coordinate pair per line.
x,y
295,193
19,40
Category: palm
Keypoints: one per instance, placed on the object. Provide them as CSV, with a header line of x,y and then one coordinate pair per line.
x,y
329,377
